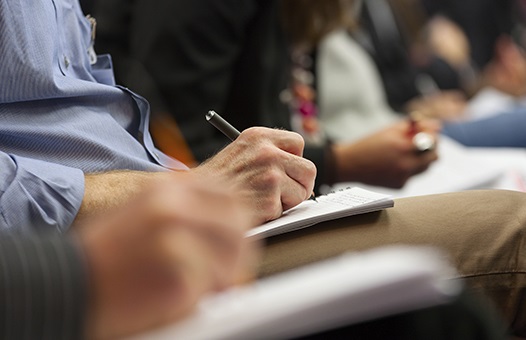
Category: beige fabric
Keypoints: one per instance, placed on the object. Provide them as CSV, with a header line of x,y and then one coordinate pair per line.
x,y
483,232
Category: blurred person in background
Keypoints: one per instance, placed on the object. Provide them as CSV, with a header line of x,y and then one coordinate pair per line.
x,y
426,70
251,62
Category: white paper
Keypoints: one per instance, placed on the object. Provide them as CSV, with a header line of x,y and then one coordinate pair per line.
x,y
345,290
460,168
341,203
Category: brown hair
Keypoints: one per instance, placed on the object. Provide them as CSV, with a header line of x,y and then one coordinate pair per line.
x,y
306,22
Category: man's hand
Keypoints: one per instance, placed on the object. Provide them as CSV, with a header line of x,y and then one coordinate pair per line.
x,y
151,262
387,158
265,169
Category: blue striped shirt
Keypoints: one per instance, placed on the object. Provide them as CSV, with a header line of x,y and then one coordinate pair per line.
x,y
61,116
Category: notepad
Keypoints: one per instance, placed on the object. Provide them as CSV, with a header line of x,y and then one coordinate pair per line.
x,y
344,290
341,203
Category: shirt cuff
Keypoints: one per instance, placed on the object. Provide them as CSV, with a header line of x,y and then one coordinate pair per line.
x,y
35,194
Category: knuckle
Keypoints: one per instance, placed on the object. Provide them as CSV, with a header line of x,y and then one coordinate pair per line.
x,y
270,179
275,210
268,154
254,133
297,139
310,168
269,207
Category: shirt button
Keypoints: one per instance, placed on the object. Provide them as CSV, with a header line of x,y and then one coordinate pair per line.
x,y
66,62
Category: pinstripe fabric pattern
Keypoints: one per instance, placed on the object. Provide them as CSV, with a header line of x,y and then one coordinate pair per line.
x,y
42,288
57,108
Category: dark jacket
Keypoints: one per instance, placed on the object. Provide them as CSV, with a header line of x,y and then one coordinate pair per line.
x,y
43,288
188,57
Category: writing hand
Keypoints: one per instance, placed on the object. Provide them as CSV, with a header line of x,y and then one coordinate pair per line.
x,y
265,168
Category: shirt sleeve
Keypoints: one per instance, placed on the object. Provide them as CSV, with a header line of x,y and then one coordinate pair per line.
x,y
35,194
43,290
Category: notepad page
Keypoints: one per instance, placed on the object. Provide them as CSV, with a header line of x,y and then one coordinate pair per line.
x,y
344,290
344,202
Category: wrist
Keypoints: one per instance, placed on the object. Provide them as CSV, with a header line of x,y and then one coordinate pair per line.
x,y
347,163
341,164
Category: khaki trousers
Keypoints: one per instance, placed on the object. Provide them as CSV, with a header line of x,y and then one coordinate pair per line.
x,y
483,232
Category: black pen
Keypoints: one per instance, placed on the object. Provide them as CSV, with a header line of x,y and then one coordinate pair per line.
x,y
222,125
231,132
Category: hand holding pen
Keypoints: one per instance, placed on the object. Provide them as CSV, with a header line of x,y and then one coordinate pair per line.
x,y
422,141
228,130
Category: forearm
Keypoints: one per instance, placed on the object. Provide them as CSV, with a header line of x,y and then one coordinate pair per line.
x,y
42,288
37,195
363,162
110,190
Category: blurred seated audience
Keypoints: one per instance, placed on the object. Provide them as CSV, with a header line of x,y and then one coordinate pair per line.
x,y
352,96
253,65
352,102
452,43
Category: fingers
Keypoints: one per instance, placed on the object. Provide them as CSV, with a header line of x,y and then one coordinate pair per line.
x,y
214,219
296,167
201,202
292,194
180,240
287,141
425,159
186,271
196,264
419,161
265,169
412,158
216,216
302,172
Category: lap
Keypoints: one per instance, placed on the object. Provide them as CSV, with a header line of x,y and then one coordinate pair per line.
x,y
483,233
